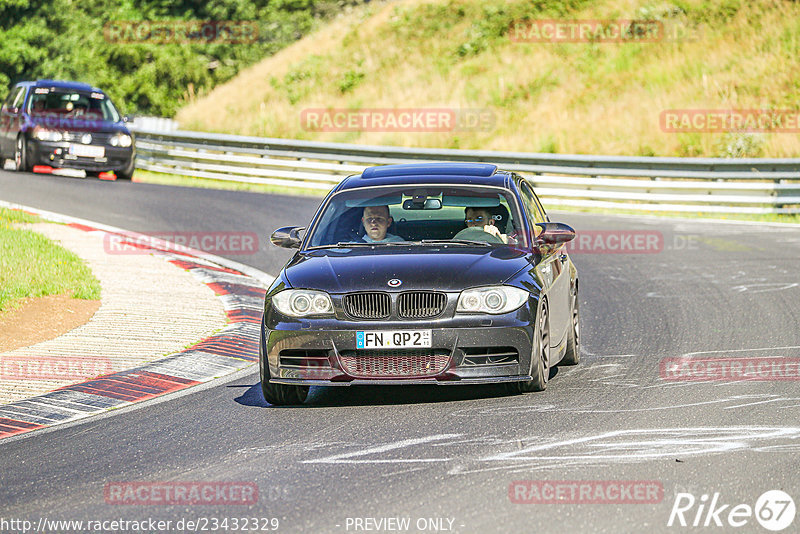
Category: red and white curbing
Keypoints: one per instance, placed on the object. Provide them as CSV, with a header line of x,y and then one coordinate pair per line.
x,y
241,289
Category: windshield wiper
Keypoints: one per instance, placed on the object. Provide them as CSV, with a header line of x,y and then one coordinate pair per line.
x,y
466,242
352,244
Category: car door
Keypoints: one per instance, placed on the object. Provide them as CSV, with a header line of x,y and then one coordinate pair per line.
x,y
9,121
554,267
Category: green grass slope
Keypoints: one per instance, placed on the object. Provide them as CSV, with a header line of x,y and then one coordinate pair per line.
x,y
594,98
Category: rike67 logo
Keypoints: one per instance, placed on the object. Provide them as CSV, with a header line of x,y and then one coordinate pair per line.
x,y
774,510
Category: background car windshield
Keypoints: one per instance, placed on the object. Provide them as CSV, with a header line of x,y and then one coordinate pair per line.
x,y
419,213
74,104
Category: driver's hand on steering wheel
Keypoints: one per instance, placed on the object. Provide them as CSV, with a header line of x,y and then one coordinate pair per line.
x,y
495,231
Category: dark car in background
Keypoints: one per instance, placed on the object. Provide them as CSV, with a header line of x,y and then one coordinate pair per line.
x,y
63,124
440,274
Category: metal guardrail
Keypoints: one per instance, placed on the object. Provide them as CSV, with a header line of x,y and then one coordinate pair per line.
x,y
645,183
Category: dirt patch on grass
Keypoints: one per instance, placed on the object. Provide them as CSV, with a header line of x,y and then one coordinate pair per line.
x,y
42,318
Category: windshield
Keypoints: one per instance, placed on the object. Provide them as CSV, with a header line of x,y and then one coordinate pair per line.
x,y
72,104
419,215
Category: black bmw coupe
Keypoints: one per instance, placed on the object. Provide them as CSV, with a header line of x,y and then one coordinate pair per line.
x,y
438,273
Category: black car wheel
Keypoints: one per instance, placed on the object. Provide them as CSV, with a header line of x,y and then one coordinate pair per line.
x,y
540,368
573,354
124,175
280,394
21,156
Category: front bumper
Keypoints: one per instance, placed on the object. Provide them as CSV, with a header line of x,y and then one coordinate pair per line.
x,y
474,353
56,154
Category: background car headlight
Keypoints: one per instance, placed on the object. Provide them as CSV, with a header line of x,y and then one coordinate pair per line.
x,y
123,140
43,134
496,299
303,303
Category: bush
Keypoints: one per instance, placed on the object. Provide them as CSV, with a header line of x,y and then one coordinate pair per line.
x,y
61,39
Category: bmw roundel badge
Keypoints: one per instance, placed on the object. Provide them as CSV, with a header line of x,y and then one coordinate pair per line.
x,y
394,282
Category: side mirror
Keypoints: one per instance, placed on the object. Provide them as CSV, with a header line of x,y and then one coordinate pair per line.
x,y
554,233
287,237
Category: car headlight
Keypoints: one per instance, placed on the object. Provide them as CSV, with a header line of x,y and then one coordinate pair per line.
x,y
123,140
494,299
303,303
43,134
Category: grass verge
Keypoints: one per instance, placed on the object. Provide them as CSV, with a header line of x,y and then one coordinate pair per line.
x,y
33,266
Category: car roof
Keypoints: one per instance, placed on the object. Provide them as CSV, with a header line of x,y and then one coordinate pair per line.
x,y
62,84
457,173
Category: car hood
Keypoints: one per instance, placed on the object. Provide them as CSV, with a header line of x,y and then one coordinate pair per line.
x,y
357,269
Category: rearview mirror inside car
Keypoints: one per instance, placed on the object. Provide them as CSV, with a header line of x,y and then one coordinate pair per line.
x,y
287,237
428,204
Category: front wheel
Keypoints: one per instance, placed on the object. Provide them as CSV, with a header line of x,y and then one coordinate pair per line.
x,y
279,394
124,175
283,394
572,356
540,356
21,156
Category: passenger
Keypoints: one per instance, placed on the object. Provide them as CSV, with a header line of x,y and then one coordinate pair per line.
x,y
376,221
480,219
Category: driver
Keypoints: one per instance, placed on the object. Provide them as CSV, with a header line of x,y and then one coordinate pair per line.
x,y
376,221
480,219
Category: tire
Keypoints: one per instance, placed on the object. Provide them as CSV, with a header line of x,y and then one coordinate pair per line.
x,y
21,156
572,356
124,175
279,394
540,370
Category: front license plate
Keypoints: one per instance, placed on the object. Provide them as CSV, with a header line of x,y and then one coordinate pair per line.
x,y
393,339
87,151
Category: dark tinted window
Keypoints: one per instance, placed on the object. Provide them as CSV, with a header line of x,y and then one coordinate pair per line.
x,y
74,104
14,99
535,210
425,212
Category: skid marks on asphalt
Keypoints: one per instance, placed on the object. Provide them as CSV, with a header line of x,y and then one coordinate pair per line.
x,y
461,455
729,277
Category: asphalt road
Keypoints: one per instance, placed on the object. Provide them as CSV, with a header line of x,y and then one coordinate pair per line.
x,y
447,457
